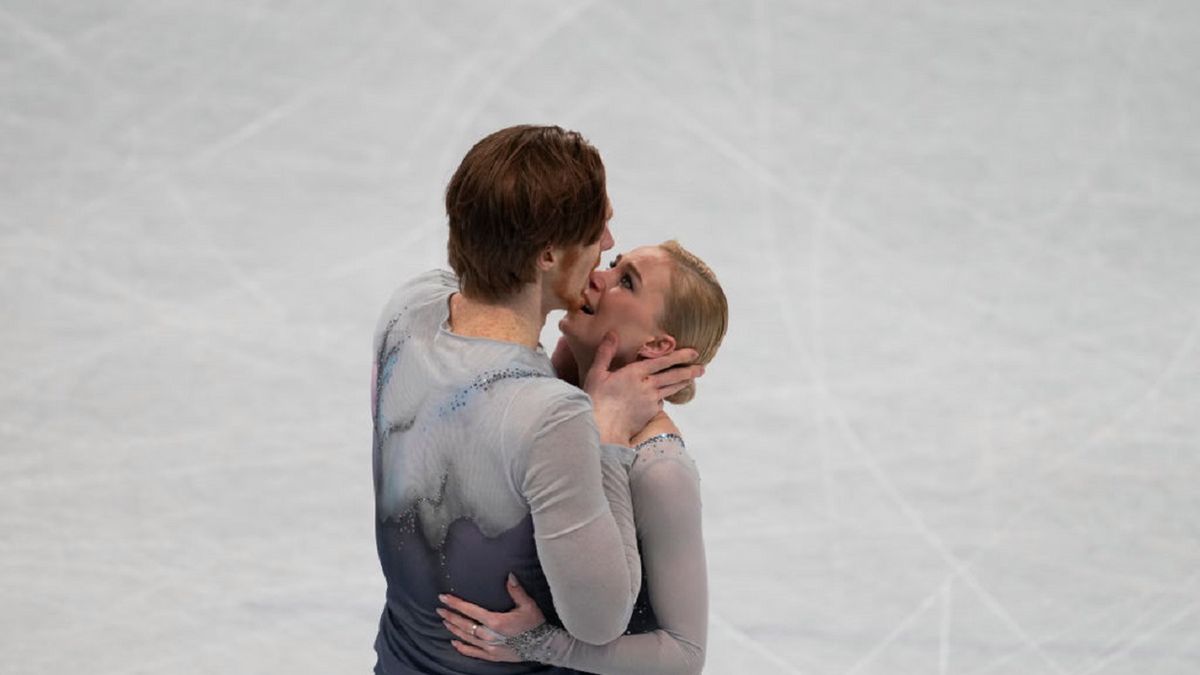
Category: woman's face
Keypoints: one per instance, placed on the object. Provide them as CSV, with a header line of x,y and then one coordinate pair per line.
x,y
628,298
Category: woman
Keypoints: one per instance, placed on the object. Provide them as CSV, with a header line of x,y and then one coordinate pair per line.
x,y
656,299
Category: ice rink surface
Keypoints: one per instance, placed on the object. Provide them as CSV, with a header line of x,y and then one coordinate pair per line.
x,y
953,429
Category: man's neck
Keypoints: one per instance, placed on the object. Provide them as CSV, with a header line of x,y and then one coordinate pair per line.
x,y
518,320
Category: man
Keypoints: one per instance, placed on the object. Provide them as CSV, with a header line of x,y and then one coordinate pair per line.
x,y
484,462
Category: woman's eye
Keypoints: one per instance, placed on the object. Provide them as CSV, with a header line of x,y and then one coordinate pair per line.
x,y
627,281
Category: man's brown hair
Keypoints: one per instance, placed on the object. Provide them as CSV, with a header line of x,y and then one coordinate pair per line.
x,y
516,192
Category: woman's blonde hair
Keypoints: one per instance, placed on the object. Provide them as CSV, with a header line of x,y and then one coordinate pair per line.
x,y
695,311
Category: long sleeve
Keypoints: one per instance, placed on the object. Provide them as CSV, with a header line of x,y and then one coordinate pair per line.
x,y
666,500
583,525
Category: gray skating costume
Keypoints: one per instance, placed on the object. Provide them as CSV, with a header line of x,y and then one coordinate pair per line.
x,y
486,464
671,616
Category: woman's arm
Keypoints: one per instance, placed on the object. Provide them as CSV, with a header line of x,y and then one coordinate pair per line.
x,y
666,499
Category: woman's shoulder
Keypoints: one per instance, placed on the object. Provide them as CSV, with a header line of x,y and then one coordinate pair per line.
x,y
661,442
661,425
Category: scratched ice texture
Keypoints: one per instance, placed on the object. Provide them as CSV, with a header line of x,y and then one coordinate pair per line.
x,y
953,429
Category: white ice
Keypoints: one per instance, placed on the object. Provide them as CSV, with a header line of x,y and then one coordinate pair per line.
x,y
953,429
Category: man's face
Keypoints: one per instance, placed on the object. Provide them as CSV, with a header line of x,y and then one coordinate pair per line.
x,y
578,263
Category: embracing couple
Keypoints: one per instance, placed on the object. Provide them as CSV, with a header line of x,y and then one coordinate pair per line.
x,y
539,513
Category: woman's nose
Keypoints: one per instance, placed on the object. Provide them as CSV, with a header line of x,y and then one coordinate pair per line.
x,y
596,281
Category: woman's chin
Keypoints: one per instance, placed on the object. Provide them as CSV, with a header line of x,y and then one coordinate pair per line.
x,y
573,322
568,324
578,342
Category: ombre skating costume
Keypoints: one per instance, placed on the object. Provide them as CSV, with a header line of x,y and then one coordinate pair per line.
x,y
486,464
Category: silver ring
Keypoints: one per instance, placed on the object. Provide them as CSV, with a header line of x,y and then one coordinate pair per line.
x,y
474,627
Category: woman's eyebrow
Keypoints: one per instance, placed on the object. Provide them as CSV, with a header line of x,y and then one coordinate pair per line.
x,y
632,268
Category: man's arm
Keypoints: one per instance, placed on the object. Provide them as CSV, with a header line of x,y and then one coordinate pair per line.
x,y
666,494
579,499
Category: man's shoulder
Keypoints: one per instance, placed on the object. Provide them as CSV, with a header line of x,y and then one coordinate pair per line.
x,y
552,415
549,400
428,286
421,291
552,389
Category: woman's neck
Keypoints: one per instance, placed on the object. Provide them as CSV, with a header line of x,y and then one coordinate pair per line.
x,y
580,363
583,365
565,365
660,424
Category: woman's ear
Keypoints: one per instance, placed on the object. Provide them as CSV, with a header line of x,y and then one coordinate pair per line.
x,y
656,347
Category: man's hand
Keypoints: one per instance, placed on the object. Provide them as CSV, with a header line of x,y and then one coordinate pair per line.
x,y
627,399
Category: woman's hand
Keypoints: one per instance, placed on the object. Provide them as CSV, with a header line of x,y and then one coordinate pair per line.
x,y
481,634
626,399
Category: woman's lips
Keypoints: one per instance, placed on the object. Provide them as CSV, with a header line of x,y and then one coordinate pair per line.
x,y
588,307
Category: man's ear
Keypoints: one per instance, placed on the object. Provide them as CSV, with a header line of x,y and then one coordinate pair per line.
x,y
548,258
657,346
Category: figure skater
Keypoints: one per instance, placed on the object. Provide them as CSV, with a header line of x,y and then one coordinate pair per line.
x,y
658,298
484,462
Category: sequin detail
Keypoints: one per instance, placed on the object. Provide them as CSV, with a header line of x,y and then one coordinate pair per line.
x,y
533,644
660,437
385,359
387,363
400,427
484,383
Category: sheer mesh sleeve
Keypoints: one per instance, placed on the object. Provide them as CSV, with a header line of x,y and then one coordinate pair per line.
x,y
666,501
583,525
